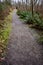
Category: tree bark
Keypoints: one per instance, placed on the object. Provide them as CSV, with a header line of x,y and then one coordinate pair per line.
x,y
32,7
26,4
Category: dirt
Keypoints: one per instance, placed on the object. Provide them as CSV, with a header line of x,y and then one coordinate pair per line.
x,y
23,48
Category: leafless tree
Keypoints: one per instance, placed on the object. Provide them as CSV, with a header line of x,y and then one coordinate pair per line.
x,y
32,3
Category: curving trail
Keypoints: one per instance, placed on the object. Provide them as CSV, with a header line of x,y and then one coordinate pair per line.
x,y
22,46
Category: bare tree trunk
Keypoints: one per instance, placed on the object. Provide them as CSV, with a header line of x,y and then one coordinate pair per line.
x,y
32,7
22,4
26,4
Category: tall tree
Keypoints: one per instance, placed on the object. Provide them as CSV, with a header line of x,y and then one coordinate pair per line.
x,y
32,6
26,4
22,4
33,2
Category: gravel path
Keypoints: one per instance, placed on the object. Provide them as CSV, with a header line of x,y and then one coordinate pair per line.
x,y
22,47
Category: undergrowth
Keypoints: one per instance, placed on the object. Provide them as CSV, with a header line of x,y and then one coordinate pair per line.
x,y
5,28
35,20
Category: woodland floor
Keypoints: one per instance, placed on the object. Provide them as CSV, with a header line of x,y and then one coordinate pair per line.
x,y
23,48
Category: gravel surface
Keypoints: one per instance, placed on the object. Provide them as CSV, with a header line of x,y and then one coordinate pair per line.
x,y
22,46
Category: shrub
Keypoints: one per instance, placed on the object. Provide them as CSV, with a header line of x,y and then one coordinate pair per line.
x,y
23,14
35,20
38,21
29,19
18,12
0,7
4,33
41,40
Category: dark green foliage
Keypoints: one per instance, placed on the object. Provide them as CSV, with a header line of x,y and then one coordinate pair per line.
x,y
33,19
4,10
1,10
41,40
0,7
18,12
38,22
22,14
8,2
29,19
